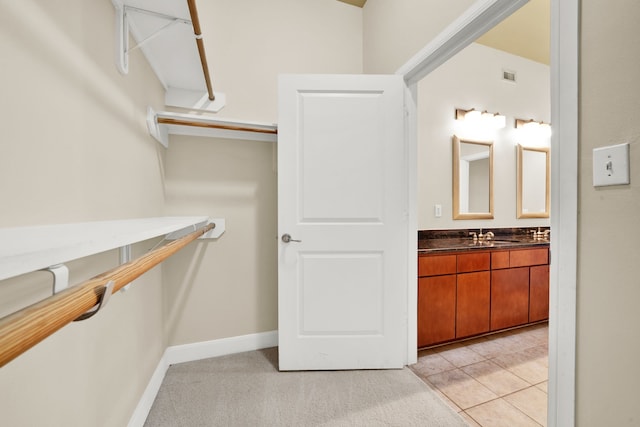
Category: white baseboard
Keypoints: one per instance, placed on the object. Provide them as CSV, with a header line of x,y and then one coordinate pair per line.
x,y
206,349
146,400
196,351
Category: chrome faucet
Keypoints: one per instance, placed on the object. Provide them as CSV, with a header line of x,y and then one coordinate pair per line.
x,y
480,237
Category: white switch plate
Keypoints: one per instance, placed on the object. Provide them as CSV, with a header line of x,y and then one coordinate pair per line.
x,y
611,165
437,211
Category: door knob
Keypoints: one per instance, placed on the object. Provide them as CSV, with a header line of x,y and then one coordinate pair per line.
x,y
287,238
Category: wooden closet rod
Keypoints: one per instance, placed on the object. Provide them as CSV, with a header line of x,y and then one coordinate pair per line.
x,y
185,122
203,57
25,328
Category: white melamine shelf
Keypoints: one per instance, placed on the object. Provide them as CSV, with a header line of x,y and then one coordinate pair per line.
x,y
27,249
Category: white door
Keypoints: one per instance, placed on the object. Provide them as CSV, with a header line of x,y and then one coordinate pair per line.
x,y
343,200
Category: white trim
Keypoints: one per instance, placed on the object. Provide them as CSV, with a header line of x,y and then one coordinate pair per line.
x,y
475,21
411,135
192,352
203,350
565,17
141,412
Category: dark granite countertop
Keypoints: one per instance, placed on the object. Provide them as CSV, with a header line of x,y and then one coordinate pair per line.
x,y
430,241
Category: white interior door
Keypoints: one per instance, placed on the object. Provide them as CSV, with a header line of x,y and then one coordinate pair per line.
x,y
343,200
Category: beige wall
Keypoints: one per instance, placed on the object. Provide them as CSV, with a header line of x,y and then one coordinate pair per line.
x,y
608,289
473,79
395,30
233,290
74,147
250,42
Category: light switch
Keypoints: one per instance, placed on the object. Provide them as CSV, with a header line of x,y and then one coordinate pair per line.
x,y
611,165
437,211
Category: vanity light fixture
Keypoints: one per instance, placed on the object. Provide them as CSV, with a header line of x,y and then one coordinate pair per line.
x,y
533,127
482,118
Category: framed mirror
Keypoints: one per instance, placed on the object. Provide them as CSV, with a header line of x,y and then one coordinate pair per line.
x,y
533,189
472,179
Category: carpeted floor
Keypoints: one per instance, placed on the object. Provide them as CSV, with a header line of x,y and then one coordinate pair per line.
x,y
246,389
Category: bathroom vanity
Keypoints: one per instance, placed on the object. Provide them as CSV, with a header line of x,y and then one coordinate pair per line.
x,y
469,288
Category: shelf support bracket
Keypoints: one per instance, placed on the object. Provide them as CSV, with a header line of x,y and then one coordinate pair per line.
x,y
122,32
60,274
125,257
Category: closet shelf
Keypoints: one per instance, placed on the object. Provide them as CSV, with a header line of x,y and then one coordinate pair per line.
x,y
27,249
161,124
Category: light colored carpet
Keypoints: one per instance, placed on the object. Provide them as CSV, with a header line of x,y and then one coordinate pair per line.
x,y
246,389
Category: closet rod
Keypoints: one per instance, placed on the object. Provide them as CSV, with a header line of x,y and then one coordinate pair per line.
x,y
203,57
25,328
195,123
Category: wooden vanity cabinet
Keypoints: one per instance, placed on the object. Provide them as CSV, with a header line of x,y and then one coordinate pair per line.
x,y
473,298
520,293
436,299
471,293
453,296
436,309
509,297
538,293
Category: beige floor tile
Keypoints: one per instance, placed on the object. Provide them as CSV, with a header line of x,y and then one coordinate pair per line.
x,y
460,355
495,378
525,366
538,353
461,388
517,341
543,386
499,413
488,348
532,401
430,364
443,396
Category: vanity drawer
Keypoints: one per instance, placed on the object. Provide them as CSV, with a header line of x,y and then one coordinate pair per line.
x,y
436,265
526,257
474,262
499,259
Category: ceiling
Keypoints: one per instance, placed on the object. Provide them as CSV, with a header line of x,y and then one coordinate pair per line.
x,y
359,3
526,33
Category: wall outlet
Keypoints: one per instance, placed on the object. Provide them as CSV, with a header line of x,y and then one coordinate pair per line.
x,y
611,165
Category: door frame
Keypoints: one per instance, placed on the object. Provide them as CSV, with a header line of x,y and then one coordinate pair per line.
x,y
479,18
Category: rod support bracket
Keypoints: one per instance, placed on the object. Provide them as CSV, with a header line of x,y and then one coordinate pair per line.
x,y
102,301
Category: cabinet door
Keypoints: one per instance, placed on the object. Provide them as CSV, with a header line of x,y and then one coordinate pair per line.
x,y
539,293
473,298
509,297
436,309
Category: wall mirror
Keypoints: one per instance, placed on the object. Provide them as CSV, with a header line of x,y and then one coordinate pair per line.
x,y
472,179
533,182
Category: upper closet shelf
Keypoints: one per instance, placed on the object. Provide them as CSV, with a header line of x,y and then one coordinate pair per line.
x,y
171,41
27,249
161,124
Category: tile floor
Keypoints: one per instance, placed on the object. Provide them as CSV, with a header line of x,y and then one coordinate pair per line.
x,y
494,381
